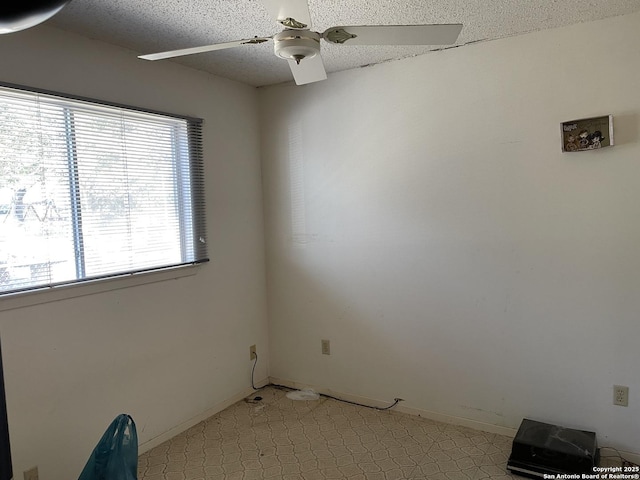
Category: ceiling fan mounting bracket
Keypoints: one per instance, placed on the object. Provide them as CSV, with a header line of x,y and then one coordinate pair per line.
x,y
255,41
296,44
293,23
338,35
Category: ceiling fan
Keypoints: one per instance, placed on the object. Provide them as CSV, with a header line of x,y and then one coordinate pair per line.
x,y
301,47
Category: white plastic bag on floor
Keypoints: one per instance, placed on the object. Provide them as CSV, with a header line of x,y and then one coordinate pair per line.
x,y
307,394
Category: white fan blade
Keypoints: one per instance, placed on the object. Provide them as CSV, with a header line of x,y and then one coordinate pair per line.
x,y
309,70
206,48
394,34
281,10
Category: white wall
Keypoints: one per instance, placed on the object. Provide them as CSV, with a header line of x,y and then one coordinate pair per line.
x,y
164,352
421,216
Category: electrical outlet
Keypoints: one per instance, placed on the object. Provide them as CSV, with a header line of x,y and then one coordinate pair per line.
x,y
326,347
252,352
621,395
31,474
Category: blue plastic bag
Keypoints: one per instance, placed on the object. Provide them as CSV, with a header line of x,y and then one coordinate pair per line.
x,y
116,455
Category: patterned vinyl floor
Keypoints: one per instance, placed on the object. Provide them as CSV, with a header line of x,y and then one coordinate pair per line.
x,y
277,438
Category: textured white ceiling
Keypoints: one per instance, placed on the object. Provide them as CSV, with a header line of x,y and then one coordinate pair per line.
x,y
149,26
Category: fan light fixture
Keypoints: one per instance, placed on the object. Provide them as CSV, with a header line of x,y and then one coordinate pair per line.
x,y
16,16
296,45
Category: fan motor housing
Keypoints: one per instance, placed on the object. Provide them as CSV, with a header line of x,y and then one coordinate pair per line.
x,y
296,44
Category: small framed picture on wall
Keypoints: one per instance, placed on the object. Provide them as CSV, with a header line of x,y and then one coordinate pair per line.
x,y
587,134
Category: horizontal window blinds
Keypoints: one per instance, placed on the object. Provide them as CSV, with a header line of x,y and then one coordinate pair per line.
x,y
89,190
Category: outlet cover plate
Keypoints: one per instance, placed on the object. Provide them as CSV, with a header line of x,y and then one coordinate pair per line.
x,y
621,395
31,474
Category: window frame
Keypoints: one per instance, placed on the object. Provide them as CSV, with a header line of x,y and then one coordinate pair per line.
x,y
89,285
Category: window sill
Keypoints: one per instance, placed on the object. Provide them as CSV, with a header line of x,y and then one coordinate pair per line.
x,y
11,301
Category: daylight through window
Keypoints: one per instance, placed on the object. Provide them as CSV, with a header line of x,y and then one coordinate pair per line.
x,y
89,190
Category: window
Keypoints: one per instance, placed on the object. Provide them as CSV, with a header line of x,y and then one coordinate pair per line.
x,y
89,190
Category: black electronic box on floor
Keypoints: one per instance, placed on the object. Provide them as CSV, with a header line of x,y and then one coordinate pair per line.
x,y
540,448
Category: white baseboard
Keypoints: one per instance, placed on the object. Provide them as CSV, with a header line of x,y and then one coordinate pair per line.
x,y
460,421
438,417
169,434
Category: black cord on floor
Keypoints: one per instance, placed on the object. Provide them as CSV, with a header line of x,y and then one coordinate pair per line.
x,y
282,387
395,402
253,371
623,461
